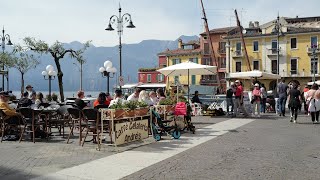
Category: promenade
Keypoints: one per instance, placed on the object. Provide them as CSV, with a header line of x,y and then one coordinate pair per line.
x,y
256,148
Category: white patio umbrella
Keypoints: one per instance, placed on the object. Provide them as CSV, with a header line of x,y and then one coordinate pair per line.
x,y
187,69
311,83
254,74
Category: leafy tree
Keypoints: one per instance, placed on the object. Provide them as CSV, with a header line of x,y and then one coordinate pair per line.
x,y
22,61
58,52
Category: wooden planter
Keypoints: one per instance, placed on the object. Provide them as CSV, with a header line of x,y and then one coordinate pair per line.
x,y
142,111
129,113
170,108
119,113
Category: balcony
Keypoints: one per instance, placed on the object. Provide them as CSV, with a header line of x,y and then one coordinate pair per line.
x,y
297,73
237,54
273,52
311,50
208,81
222,51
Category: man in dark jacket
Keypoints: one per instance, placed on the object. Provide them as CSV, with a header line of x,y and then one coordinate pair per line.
x,y
25,101
195,98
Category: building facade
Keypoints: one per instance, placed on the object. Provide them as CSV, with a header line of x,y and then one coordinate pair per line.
x,y
296,63
186,52
219,48
150,75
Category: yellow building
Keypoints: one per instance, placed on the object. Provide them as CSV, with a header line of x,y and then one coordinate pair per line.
x,y
296,59
186,52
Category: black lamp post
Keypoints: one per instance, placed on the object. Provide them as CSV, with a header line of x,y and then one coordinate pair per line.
x,y
49,74
120,21
277,29
107,71
4,38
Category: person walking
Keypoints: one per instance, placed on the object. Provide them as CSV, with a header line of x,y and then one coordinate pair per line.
x,y
304,98
310,94
239,100
263,102
282,91
229,98
256,95
294,102
314,107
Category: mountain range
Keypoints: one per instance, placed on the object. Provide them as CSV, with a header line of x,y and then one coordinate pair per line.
x,y
134,56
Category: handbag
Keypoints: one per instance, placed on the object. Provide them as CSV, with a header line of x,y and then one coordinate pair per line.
x,y
180,109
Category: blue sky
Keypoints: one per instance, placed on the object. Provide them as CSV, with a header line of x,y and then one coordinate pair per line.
x,y
81,20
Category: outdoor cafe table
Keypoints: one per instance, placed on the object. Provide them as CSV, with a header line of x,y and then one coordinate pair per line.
x,y
47,113
125,129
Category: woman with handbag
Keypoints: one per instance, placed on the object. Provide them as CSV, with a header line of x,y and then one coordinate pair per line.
x,y
314,107
294,102
256,98
310,94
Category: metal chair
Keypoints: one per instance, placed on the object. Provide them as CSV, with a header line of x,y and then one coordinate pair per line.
x,y
32,120
5,124
92,120
76,117
61,118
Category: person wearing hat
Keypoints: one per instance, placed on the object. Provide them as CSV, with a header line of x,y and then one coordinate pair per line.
x,y
30,91
238,103
256,98
13,116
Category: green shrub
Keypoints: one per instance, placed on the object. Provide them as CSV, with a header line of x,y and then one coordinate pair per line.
x,y
166,102
118,105
130,105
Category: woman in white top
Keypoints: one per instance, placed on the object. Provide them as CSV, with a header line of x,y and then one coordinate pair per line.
x,y
314,107
144,97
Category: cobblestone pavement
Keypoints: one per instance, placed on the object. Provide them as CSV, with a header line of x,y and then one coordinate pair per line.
x,y
27,160
268,148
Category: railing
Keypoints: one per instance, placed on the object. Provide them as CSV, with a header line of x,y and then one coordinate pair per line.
x,y
297,73
222,51
273,52
238,53
310,50
208,81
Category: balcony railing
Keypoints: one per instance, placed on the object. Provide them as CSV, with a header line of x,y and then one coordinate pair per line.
x,y
237,53
273,52
310,51
222,51
297,73
208,81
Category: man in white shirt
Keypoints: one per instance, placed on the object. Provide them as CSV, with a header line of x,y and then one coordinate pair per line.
x,y
153,97
30,91
134,96
117,98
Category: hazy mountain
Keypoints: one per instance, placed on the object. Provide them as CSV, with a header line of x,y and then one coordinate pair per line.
x,y
134,56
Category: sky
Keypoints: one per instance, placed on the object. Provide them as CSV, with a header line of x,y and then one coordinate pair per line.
x,y
83,20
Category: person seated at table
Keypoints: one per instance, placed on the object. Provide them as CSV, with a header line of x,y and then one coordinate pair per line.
x,y
160,94
79,103
144,97
30,91
195,98
153,97
33,97
117,98
24,101
134,96
39,99
14,117
101,100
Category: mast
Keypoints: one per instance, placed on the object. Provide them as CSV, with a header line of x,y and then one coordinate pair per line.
x,y
212,54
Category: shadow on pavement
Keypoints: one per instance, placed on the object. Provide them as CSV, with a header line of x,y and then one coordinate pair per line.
x,y
15,174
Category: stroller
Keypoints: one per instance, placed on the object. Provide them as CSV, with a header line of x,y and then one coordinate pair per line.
x,y
160,126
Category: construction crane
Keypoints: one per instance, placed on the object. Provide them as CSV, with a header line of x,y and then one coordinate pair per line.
x,y
212,54
243,42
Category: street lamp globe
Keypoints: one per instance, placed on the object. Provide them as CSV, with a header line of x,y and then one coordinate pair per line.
x,y
49,68
113,70
107,64
55,73
102,69
50,73
44,73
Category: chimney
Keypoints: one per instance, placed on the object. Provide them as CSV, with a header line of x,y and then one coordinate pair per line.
x,y
256,24
251,25
180,43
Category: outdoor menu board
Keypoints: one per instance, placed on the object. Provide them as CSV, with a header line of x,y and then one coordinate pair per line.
x,y
131,131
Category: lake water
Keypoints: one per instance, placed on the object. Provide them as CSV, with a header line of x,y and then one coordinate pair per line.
x,y
67,94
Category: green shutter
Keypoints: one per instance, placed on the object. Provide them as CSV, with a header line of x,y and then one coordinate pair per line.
x,y
196,60
193,79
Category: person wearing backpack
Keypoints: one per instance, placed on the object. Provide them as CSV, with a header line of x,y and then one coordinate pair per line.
x,y
314,107
294,102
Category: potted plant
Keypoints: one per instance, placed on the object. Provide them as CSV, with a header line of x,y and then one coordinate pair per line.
x,y
169,104
119,111
142,110
130,107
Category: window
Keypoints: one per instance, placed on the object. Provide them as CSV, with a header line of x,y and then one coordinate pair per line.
x,y
194,60
193,79
274,66
206,61
314,40
274,46
238,66
222,47
222,62
160,77
255,65
293,43
148,77
176,61
294,66
255,46
206,48
188,47
314,66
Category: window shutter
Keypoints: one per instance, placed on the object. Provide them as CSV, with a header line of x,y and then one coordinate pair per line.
x,y
157,77
196,59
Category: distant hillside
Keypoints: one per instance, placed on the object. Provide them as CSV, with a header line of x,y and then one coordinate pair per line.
x,y
134,56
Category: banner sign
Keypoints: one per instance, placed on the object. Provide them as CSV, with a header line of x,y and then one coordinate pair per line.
x,y
131,131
